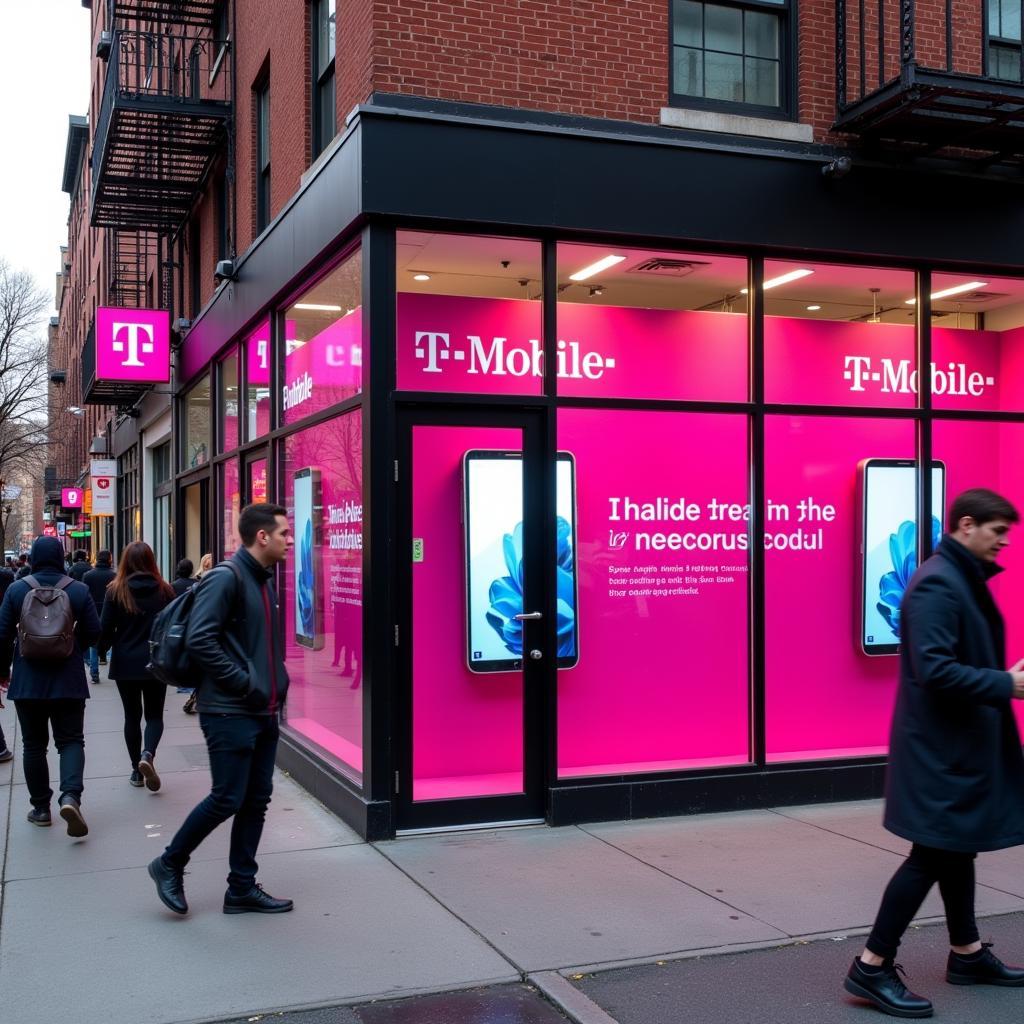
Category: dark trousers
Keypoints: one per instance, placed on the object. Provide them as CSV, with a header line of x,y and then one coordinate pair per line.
x,y
67,717
138,696
908,888
3,740
242,750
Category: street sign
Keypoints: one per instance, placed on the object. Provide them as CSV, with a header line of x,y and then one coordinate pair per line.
x,y
11,492
79,533
71,497
87,503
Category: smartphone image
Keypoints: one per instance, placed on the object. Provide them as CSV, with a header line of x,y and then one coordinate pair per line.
x,y
888,544
492,517
309,612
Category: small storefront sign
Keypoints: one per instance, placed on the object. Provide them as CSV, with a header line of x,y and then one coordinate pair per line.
x,y
103,474
72,497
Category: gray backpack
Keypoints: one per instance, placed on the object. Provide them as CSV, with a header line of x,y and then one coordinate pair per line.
x,y
46,628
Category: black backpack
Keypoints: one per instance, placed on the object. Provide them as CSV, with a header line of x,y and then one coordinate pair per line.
x,y
46,627
168,655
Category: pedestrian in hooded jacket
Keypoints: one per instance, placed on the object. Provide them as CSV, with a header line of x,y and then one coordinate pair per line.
x,y
134,598
50,694
955,780
97,581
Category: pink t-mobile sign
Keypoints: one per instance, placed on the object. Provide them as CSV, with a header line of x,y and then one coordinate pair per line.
x,y
71,497
133,345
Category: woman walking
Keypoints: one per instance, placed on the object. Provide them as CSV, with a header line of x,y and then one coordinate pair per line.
x,y
134,598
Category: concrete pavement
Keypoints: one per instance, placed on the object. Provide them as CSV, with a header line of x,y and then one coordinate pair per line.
x,y
419,914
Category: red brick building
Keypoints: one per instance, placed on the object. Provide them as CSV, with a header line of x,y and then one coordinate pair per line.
x,y
313,189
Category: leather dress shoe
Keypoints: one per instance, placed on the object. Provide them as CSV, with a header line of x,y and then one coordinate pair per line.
x,y
986,969
170,885
71,812
40,816
255,901
884,987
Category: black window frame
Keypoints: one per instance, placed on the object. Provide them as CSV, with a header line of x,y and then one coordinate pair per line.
x,y
319,78
261,100
1003,43
786,12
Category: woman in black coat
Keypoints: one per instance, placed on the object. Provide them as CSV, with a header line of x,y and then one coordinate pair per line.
x,y
183,577
134,598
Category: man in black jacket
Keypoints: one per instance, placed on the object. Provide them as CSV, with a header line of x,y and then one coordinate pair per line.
x,y
50,692
80,566
97,581
234,643
956,773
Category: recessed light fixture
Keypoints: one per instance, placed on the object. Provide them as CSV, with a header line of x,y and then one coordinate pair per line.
x,y
774,282
955,290
317,307
813,309
596,268
421,277
597,290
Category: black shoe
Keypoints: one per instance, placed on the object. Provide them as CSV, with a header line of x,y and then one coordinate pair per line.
x,y
71,812
189,706
886,990
136,779
986,969
95,680
40,816
103,661
255,901
148,771
170,885
6,755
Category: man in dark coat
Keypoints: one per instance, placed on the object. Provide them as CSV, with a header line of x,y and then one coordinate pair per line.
x,y
97,580
51,692
80,566
955,782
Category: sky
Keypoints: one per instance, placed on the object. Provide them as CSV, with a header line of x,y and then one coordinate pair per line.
x,y
44,77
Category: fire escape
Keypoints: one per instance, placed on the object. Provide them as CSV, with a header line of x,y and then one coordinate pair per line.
x,y
163,120
932,77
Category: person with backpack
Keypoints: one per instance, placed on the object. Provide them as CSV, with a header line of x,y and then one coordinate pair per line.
x,y
233,639
97,581
134,598
46,621
80,566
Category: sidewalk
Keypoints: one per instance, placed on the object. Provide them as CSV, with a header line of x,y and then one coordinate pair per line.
x,y
82,932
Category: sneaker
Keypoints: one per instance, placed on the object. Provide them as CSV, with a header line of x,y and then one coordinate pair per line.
x,y
136,779
255,901
103,661
884,987
6,755
40,816
71,812
96,680
148,771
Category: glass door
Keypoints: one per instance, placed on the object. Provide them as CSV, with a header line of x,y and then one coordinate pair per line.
x,y
475,636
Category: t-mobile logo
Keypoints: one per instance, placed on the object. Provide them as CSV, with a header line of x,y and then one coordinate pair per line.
x,y
896,377
134,345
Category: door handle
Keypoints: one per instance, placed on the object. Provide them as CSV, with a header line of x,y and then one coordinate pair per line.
x,y
528,616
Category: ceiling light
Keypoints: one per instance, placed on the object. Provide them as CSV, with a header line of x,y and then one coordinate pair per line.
x,y
421,277
955,290
596,268
774,282
317,307
813,309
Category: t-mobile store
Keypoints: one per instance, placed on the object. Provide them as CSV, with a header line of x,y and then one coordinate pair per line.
x,y
594,520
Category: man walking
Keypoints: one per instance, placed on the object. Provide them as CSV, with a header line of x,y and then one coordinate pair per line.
x,y
234,645
80,566
97,580
955,780
47,690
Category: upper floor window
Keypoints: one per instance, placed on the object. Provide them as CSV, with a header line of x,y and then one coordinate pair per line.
x,y
325,122
1004,39
731,53
263,155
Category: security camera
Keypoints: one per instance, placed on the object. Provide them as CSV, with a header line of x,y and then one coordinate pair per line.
x,y
225,271
838,168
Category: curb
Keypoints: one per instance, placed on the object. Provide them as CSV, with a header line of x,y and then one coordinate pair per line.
x,y
577,1006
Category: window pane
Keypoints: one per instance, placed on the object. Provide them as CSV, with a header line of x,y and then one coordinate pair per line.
x,y
762,82
197,425
687,24
723,28
723,77
689,72
1010,19
263,128
227,406
993,17
325,34
257,381
230,507
1004,63
762,34
326,122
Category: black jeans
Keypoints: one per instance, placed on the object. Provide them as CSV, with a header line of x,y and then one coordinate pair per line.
x,y
136,695
242,750
911,884
68,720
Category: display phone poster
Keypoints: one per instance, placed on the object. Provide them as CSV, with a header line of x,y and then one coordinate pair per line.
x,y
889,544
309,515
492,516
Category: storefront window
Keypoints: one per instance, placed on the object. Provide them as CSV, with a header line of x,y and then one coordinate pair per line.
x,y
257,382
196,416
227,404
469,314
323,362
322,587
977,342
841,536
230,506
839,335
662,678
638,323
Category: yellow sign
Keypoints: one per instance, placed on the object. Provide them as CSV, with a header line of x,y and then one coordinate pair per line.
x,y
87,504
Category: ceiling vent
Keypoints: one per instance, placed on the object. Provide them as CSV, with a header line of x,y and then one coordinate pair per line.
x,y
979,296
663,266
